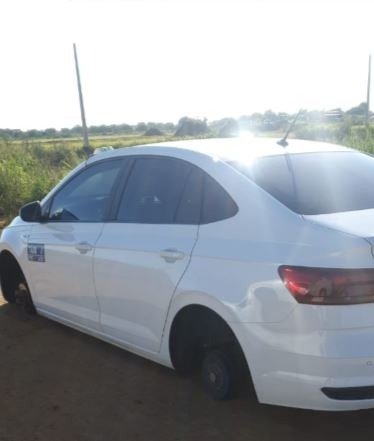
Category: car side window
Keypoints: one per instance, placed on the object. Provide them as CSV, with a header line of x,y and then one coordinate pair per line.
x,y
85,197
217,204
189,209
154,191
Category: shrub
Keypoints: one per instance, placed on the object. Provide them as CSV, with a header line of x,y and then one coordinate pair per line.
x,y
28,172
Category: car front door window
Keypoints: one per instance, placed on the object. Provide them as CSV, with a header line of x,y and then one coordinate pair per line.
x,y
85,197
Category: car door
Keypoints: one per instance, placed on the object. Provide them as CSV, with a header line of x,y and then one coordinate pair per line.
x,y
141,256
60,250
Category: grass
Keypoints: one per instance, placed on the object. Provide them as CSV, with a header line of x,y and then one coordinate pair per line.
x,y
356,136
95,141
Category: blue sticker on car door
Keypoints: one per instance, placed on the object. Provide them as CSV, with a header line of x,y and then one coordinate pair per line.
x,y
36,252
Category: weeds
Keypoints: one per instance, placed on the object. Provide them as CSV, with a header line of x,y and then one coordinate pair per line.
x,y
28,172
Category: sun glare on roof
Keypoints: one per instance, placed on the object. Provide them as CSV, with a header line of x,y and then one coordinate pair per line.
x,y
246,152
246,134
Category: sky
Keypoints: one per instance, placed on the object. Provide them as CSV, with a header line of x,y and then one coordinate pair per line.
x,y
160,60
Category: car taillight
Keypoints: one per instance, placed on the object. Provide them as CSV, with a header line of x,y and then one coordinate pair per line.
x,y
325,286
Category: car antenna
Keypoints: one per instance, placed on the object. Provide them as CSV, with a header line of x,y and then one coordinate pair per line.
x,y
283,142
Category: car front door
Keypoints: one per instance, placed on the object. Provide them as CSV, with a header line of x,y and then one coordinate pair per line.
x,y
60,250
140,258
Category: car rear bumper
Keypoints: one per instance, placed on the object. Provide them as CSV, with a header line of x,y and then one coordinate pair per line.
x,y
325,370
349,393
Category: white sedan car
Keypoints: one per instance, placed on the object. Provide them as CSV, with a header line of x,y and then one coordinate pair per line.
x,y
242,258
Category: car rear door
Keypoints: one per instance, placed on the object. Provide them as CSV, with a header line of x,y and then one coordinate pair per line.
x,y
141,255
60,250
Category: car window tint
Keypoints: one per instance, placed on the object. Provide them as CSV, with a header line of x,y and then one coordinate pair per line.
x,y
273,175
85,197
190,204
217,204
153,191
316,183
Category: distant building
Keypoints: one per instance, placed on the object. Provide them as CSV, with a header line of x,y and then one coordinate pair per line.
x,y
333,115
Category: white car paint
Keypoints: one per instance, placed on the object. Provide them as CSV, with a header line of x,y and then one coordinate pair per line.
x,y
136,260
230,266
64,283
359,222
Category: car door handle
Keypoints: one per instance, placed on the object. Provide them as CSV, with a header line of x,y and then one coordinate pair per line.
x,y
171,255
83,247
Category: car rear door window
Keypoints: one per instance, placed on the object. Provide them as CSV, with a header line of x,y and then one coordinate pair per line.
x,y
163,190
189,208
217,204
154,191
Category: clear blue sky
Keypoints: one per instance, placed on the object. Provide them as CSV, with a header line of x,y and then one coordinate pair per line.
x,y
158,60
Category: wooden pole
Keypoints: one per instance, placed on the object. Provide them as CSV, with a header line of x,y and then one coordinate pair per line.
x,y
368,96
86,145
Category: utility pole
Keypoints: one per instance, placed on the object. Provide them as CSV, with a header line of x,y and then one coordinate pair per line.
x,y
368,97
86,145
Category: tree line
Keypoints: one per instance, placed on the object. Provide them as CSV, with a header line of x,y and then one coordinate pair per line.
x,y
186,126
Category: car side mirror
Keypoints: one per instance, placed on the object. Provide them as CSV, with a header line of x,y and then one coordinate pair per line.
x,y
31,212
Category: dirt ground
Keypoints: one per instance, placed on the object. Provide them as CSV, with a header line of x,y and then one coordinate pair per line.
x,y
59,384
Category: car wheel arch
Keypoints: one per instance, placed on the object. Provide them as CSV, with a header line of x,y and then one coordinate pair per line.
x,y
8,263
205,321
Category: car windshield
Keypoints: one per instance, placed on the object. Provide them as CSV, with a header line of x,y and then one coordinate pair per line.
x,y
316,183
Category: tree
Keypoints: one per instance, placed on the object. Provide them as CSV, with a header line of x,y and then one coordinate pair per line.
x,y
271,120
359,110
141,127
256,120
229,128
153,131
191,127
50,133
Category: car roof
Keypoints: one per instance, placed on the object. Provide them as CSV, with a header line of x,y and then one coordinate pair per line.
x,y
227,149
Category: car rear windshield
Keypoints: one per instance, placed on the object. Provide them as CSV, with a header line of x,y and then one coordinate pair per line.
x,y
316,183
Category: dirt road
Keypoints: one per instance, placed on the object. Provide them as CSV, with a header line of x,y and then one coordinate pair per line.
x,y
58,384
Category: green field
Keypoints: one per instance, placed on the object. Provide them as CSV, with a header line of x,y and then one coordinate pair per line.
x,y
30,168
95,141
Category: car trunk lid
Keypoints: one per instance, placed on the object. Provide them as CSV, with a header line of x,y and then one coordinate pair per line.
x,y
358,223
